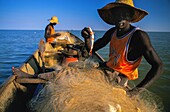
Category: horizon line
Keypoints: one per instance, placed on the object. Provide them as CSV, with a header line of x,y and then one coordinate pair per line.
x,y
81,29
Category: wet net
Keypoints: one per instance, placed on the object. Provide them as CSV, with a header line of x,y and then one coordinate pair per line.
x,y
81,88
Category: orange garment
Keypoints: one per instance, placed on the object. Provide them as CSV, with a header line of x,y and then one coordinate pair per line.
x,y
51,39
118,56
70,59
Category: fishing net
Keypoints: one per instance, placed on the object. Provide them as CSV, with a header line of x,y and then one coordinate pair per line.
x,y
81,88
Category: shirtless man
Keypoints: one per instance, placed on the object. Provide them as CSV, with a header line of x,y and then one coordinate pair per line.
x,y
127,43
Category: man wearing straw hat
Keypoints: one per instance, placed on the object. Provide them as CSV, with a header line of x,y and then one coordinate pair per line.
x,y
50,33
127,43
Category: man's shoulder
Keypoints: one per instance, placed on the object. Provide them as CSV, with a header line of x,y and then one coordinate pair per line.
x,y
111,30
140,33
48,27
140,36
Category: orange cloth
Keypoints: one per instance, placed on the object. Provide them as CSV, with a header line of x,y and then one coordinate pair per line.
x,y
118,56
70,59
51,39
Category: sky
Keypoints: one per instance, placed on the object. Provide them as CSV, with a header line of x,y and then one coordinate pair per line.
x,y
76,14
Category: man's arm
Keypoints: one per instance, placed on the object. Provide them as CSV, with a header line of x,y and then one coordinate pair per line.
x,y
48,33
98,44
152,58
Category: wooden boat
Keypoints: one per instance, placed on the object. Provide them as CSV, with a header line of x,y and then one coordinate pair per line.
x,y
16,92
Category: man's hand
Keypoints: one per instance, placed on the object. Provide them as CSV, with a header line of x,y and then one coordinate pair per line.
x,y
85,33
134,92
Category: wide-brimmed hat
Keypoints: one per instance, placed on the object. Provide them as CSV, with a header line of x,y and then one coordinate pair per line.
x,y
54,19
107,15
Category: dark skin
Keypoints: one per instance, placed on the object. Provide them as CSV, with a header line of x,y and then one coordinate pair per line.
x,y
48,31
140,45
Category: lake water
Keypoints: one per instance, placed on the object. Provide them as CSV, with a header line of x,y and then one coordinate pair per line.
x,y
17,45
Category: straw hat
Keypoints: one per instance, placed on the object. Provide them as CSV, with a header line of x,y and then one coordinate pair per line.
x,y
106,12
54,19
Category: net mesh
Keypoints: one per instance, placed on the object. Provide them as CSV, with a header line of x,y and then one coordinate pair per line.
x,y
81,88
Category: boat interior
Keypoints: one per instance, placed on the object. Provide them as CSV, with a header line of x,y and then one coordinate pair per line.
x,y
15,93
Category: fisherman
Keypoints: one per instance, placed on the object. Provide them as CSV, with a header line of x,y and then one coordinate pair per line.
x,y
50,33
127,44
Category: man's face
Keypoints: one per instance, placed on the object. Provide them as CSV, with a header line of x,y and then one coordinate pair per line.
x,y
122,17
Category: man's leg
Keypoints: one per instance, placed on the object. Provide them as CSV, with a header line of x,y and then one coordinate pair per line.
x,y
48,75
20,74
